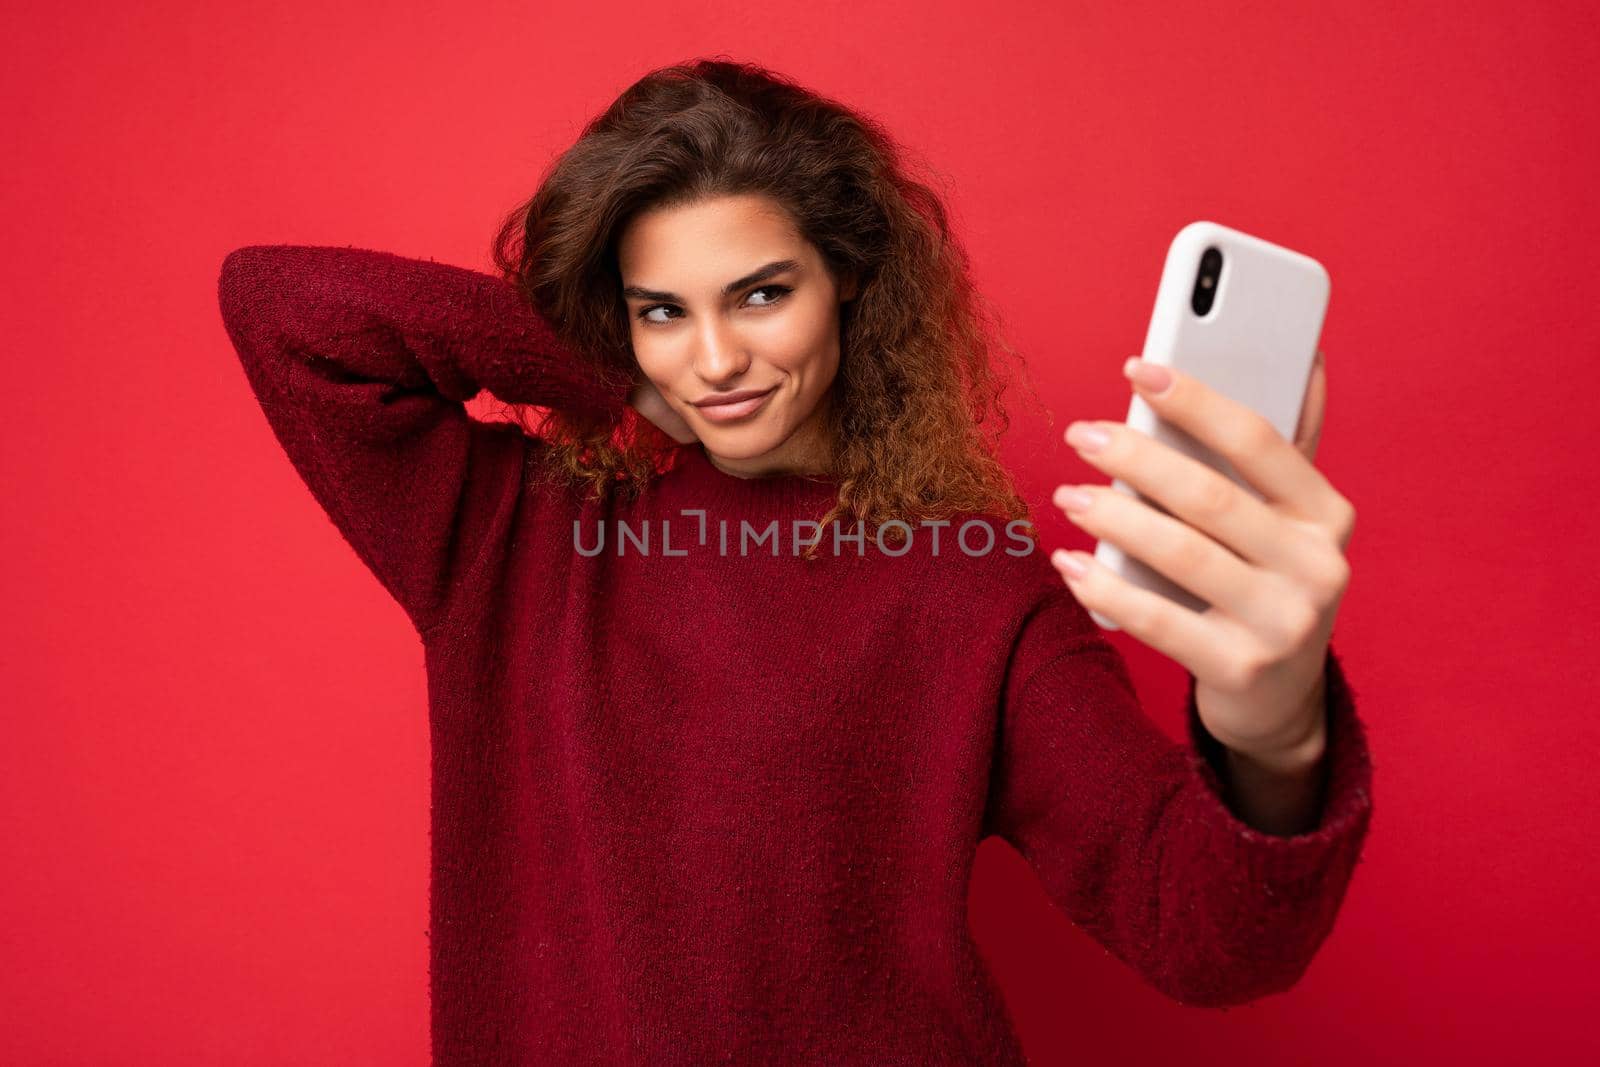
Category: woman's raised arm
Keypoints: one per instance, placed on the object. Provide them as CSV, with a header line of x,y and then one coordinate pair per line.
x,y
1132,838
362,362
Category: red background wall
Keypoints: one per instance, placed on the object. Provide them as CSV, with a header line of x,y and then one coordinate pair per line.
x,y
214,800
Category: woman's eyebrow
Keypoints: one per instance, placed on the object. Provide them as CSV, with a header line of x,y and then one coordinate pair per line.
x,y
778,266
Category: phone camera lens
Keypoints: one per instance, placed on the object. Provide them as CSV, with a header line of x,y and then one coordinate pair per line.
x,y
1205,283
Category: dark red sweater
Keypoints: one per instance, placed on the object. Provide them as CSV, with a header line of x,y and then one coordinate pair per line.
x,y
692,806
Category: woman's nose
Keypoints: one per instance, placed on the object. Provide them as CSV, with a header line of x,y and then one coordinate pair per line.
x,y
721,355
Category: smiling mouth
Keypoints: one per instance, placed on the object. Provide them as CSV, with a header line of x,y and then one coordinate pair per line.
x,y
734,397
735,409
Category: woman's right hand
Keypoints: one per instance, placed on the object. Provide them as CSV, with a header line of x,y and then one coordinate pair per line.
x,y
647,400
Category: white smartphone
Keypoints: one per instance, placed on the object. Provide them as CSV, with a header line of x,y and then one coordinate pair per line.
x,y
1244,316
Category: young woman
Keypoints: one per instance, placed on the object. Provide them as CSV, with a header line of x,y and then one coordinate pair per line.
x,y
736,656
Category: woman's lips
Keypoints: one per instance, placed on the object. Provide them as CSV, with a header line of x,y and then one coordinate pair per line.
x,y
736,410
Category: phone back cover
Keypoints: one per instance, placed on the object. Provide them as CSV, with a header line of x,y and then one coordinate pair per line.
x,y
1256,345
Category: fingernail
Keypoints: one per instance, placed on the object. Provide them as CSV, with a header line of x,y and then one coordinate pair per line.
x,y
1069,563
1070,499
1151,376
1086,437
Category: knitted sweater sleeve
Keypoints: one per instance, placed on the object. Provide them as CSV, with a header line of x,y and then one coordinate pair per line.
x,y
361,362
1130,834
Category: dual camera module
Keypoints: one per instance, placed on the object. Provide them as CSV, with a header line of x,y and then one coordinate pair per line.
x,y
1205,282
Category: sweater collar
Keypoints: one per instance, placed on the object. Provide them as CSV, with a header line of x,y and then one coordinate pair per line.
x,y
714,488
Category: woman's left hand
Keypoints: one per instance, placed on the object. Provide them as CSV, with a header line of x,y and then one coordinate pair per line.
x,y
1272,570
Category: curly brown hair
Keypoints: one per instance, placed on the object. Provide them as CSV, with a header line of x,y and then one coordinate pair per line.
x,y
917,413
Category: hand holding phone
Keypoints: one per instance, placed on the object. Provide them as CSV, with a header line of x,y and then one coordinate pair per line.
x,y
1243,316
1234,563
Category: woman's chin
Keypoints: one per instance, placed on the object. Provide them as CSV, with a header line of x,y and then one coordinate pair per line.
x,y
737,442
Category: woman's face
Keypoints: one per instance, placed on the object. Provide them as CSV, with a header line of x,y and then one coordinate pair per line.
x,y
724,296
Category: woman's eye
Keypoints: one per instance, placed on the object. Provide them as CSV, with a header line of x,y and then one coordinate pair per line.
x,y
779,292
644,313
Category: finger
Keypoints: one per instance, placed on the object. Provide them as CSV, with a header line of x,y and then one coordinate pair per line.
x,y
1182,553
1251,446
1187,489
1195,640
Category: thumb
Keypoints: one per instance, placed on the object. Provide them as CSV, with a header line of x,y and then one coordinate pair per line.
x,y
1309,432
